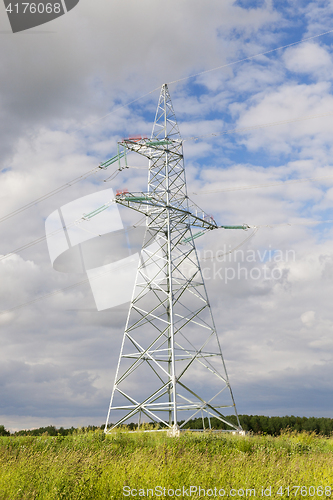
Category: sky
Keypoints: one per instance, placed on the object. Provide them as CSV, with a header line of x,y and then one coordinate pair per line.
x,y
258,151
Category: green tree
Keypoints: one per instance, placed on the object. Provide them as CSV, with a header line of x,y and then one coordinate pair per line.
x,y
3,431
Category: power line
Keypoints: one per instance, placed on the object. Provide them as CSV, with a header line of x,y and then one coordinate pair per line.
x,y
86,280
53,233
256,229
43,238
51,193
254,127
117,108
273,184
32,243
251,57
46,296
245,129
236,188
84,176
203,72
307,223
61,290
117,171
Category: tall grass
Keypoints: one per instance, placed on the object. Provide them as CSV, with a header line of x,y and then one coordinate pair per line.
x,y
90,465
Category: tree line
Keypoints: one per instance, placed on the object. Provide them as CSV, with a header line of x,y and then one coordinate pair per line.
x,y
260,424
257,424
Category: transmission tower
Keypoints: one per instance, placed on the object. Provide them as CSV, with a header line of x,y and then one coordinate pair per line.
x,y
170,368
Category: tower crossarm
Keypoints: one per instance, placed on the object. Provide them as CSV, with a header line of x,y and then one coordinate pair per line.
x,y
150,148
148,204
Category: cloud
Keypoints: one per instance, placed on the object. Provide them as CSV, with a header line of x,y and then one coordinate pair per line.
x,y
290,101
309,58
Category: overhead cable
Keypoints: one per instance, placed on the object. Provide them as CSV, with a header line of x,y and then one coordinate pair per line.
x,y
255,230
61,290
52,193
305,223
201,73
257,186
84,176
251,57
46,296
117,108
254,127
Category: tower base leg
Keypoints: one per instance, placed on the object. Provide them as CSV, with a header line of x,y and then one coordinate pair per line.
x,y
174,432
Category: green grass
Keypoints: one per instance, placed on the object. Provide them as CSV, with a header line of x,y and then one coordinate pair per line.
x,y
90,465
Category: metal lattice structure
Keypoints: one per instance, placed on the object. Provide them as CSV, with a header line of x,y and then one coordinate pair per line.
x,y
170,353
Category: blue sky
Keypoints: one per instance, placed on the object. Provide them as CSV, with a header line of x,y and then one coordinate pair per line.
x,y
64,94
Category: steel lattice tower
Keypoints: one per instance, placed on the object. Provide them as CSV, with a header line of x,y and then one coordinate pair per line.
x,y
170,354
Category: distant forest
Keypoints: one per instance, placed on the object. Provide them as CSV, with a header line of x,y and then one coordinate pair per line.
x,y
257,424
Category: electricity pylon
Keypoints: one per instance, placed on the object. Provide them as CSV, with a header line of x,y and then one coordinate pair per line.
x,y
171,368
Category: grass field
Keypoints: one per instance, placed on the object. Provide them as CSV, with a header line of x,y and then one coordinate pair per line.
x,y
90,465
